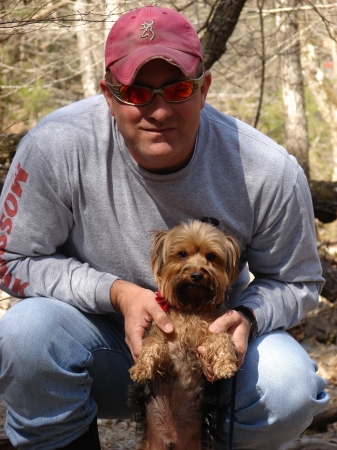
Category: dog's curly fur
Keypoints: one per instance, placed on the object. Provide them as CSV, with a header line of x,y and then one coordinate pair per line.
x,y
194,264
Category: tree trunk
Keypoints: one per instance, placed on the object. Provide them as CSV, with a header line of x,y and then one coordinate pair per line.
x,y
324,197
296,129
5,443
329,290
219,29
87,62
326,417
324,94
334,138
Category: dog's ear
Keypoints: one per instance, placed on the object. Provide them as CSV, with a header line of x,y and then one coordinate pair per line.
x,y
233,256
157,254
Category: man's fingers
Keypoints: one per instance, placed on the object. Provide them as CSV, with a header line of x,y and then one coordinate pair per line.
x,y
135,347
240,353
224,322
135,326
130,345
139,308
240,340
133,339
161,319
207,370
237,325
201,350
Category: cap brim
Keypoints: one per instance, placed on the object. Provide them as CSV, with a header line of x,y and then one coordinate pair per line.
x,y
125,69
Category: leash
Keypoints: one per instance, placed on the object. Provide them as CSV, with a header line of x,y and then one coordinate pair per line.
x,y
231,414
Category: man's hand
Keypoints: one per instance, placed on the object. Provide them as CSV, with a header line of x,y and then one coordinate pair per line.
x,y
139,308
237,325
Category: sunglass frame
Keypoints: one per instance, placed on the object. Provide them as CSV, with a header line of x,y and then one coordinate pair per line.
x,y
115,91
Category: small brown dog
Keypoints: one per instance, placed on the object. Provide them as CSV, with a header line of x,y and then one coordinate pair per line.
x,y
193,264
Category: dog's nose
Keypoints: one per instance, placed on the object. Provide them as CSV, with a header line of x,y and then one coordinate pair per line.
x,y
196,277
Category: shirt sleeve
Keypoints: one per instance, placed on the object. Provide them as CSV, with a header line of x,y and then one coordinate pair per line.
x,y
283,258
35,220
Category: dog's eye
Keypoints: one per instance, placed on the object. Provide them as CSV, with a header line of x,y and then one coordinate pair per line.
x,y
210,257
182,255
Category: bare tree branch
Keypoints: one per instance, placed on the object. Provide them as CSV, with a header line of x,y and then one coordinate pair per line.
x,y
219,29
208,18
327,23
291,8
263,63
50,9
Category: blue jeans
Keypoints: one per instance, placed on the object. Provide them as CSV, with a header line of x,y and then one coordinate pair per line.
x,y
60,367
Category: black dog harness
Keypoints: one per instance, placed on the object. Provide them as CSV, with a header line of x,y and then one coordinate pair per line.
x,y
231,414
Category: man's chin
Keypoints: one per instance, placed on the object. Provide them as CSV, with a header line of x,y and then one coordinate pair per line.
x,y
161,161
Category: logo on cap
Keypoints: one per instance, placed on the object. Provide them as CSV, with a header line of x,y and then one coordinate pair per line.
x,y
146,27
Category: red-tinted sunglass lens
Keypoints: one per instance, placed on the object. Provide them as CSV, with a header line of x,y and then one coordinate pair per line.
x,y
135,94
179,91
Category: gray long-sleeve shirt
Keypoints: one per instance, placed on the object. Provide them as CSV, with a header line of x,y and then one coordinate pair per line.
x,y
77,212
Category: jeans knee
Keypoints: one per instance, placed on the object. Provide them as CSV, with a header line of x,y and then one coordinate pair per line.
x,y
34,337
26,325
289,386
278,393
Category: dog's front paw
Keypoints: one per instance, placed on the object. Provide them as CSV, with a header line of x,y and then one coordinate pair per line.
x,y
151,360
220,355
141,372
224,368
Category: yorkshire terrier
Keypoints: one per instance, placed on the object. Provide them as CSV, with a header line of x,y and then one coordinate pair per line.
x,y
194,264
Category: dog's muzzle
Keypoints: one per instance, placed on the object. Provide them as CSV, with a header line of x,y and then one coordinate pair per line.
x,y
196,291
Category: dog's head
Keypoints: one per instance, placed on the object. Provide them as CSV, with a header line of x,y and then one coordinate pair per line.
x,y
194,264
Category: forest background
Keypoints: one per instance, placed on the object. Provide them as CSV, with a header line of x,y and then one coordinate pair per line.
x,y
270,60
274,66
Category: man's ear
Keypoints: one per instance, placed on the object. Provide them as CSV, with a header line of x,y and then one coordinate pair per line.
x,y
107,95
205,87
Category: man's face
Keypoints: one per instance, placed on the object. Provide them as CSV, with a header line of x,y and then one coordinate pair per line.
x,y
160,136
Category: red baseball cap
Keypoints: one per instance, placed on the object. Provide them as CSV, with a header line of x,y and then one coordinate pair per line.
x,y
148,33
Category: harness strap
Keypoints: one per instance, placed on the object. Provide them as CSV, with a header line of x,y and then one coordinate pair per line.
x,y
231,414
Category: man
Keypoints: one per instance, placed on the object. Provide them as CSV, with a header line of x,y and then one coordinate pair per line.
x,y
87,186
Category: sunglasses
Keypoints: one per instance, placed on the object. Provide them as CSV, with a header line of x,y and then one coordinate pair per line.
x,y
139,96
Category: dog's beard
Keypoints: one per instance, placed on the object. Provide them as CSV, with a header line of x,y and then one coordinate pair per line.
x,y
196,297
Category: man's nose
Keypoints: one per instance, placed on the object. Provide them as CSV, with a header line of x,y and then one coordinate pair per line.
x,y
159,109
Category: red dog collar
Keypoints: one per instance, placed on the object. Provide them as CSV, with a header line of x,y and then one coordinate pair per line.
x,y
162,301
